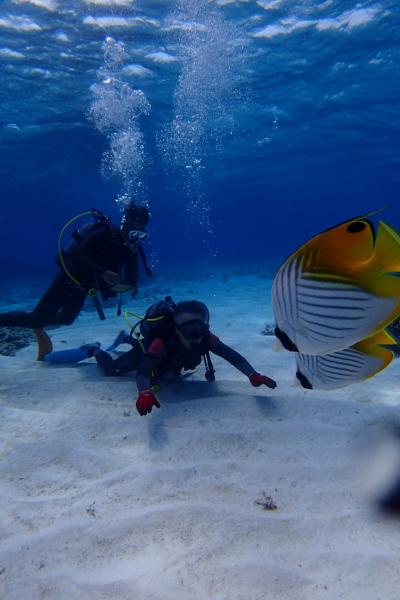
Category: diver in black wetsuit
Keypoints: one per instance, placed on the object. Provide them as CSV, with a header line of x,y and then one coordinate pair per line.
x,y
191,340
105,258
181,347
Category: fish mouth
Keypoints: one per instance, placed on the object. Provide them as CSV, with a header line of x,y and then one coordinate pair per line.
x,y
303,380
285,340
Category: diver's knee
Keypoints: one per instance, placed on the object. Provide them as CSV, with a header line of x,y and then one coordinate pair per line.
x,y
106,363
36,321
109,371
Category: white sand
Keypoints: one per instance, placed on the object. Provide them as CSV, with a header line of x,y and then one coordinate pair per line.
x,y
99,503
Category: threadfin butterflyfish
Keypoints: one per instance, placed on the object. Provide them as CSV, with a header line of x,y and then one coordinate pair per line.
x,y
350,365
340,287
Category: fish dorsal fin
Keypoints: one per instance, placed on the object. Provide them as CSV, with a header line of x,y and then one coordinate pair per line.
x,y
374,212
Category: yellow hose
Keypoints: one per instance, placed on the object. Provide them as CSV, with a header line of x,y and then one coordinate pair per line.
x,y
129,313
92,292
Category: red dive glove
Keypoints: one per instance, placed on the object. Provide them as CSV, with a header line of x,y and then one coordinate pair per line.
x,y
256,379
145,402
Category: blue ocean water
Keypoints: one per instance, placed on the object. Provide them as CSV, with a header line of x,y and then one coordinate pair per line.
x,y
247,126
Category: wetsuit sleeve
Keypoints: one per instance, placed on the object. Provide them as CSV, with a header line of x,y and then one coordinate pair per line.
x,y
149,365
146,265
229,354
94,243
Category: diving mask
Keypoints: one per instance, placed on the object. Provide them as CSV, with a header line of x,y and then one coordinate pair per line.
x,y
194,329
137,235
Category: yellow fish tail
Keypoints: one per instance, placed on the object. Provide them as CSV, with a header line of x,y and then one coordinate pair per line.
x,y
378,345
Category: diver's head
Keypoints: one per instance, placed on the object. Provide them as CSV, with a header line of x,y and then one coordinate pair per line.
x,y
191,323
133,224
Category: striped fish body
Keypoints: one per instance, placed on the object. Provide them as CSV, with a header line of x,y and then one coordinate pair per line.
x,y
345,367
321,306
323,316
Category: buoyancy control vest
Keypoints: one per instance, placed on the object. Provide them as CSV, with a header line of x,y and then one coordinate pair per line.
x,y
158,323
72,247
78,236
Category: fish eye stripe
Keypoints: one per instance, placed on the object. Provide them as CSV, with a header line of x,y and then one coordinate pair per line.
x,y
361,218
356,227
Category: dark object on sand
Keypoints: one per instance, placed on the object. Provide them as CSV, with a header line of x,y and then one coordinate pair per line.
x,y
266,502
13,339
389,499
269,329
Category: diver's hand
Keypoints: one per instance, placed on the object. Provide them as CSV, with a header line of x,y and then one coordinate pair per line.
x,y
145,402
256,379
110,277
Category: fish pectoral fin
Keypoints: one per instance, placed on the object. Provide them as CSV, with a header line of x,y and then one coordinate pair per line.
x,y
277,346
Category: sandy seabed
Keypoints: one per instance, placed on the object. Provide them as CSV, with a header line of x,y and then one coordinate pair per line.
x,y
98,503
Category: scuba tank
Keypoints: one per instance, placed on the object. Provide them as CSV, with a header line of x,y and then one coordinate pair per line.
x,y
158,322
78,236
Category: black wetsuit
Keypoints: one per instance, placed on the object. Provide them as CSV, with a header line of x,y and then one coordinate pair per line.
x,y
167,356
101,250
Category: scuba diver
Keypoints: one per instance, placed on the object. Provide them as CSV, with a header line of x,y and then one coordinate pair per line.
x,y
176,337
100,258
